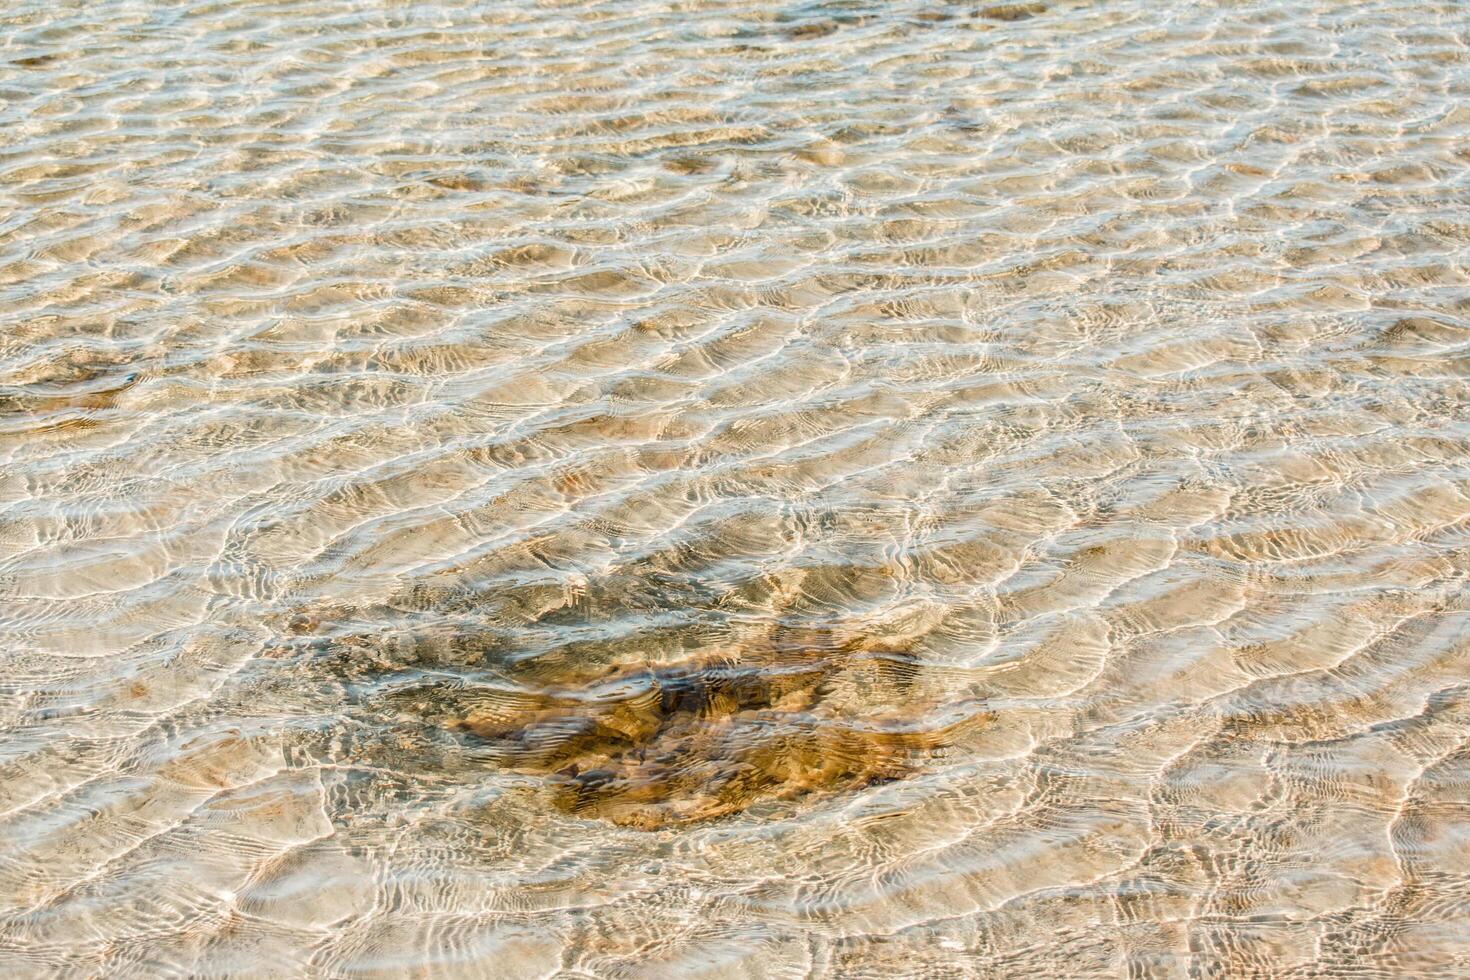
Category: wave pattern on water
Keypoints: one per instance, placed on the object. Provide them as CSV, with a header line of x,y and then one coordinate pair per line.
x,y
734,488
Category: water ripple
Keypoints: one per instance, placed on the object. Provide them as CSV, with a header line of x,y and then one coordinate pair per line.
x,y
738,488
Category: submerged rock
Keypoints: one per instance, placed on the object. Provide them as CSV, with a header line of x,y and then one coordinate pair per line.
x,y
711,735
652,727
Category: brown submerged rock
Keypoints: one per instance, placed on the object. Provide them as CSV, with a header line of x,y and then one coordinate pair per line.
x,y
657,727
711,735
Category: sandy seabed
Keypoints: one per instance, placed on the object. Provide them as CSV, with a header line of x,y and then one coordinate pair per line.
x,y
734,489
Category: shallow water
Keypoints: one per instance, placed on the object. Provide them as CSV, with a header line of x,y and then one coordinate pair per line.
x,y
734,489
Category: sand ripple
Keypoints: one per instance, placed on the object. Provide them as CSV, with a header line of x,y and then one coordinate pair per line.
x,y
734,488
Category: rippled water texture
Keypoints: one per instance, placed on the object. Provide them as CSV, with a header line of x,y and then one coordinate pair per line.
x,y
734,489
